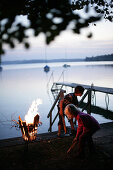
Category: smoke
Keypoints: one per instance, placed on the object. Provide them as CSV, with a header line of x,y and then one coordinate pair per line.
x,y
33,111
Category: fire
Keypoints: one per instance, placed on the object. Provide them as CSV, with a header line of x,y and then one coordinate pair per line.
x,y
33,111
31,123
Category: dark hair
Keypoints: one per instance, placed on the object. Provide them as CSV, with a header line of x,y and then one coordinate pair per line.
x,y
79,89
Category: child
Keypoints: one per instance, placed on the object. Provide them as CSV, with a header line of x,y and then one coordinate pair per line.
x,y
70,98
87,126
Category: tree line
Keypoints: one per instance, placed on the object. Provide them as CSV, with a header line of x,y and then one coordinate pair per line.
x,y
108,57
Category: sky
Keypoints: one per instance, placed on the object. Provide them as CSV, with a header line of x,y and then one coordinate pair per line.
x,y
67,45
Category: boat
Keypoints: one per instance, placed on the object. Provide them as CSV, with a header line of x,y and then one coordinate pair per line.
x,y
46,68
66,65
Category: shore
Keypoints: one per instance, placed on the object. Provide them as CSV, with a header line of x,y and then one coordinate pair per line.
x,y
49,152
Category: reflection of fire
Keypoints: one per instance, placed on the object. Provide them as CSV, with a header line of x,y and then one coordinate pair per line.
x,y
31,123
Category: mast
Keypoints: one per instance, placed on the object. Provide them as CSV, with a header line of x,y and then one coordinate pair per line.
x,y
0,63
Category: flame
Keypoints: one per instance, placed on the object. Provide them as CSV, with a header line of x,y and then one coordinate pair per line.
x,y
33,111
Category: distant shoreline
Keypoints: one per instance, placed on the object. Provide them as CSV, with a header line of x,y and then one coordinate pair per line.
x,y
108,57
40,61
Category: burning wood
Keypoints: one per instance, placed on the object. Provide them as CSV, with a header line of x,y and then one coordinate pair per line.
x,y
31,123
29,131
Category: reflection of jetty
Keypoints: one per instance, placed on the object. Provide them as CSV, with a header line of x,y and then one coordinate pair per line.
x,y
89,94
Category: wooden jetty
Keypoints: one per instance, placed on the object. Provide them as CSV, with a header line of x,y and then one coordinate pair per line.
x,y
57,89
92,87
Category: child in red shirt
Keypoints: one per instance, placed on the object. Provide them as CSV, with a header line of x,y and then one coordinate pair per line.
x,y
87,126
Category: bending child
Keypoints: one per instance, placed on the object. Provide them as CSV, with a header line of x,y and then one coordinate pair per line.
x,y
87,126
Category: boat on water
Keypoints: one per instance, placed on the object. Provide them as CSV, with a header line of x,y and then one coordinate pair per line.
x,y
46,68
66,65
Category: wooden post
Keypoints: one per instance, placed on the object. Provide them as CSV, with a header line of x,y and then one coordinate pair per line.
x,y
83,98
53,121
50,122
89,102
26,147
50,112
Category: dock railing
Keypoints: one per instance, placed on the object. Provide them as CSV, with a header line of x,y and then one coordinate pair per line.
x,y
57,88
53,106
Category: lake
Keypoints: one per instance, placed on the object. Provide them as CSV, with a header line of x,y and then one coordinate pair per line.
x,y
21,84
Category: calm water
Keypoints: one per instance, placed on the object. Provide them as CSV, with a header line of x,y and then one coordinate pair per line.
x,y
21,84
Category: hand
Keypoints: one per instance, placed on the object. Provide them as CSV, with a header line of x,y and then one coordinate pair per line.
x,y
75,140
69,151
72,146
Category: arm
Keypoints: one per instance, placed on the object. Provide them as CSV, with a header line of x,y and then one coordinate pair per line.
x,y
79,131
72,125
80,128
72,146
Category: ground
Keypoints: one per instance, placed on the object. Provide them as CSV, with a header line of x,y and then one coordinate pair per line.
x,y
51,153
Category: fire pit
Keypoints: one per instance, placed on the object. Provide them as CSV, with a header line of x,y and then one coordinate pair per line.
x,y
29,131
30,125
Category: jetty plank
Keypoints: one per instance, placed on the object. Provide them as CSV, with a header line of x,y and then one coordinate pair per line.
x,y
94,88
